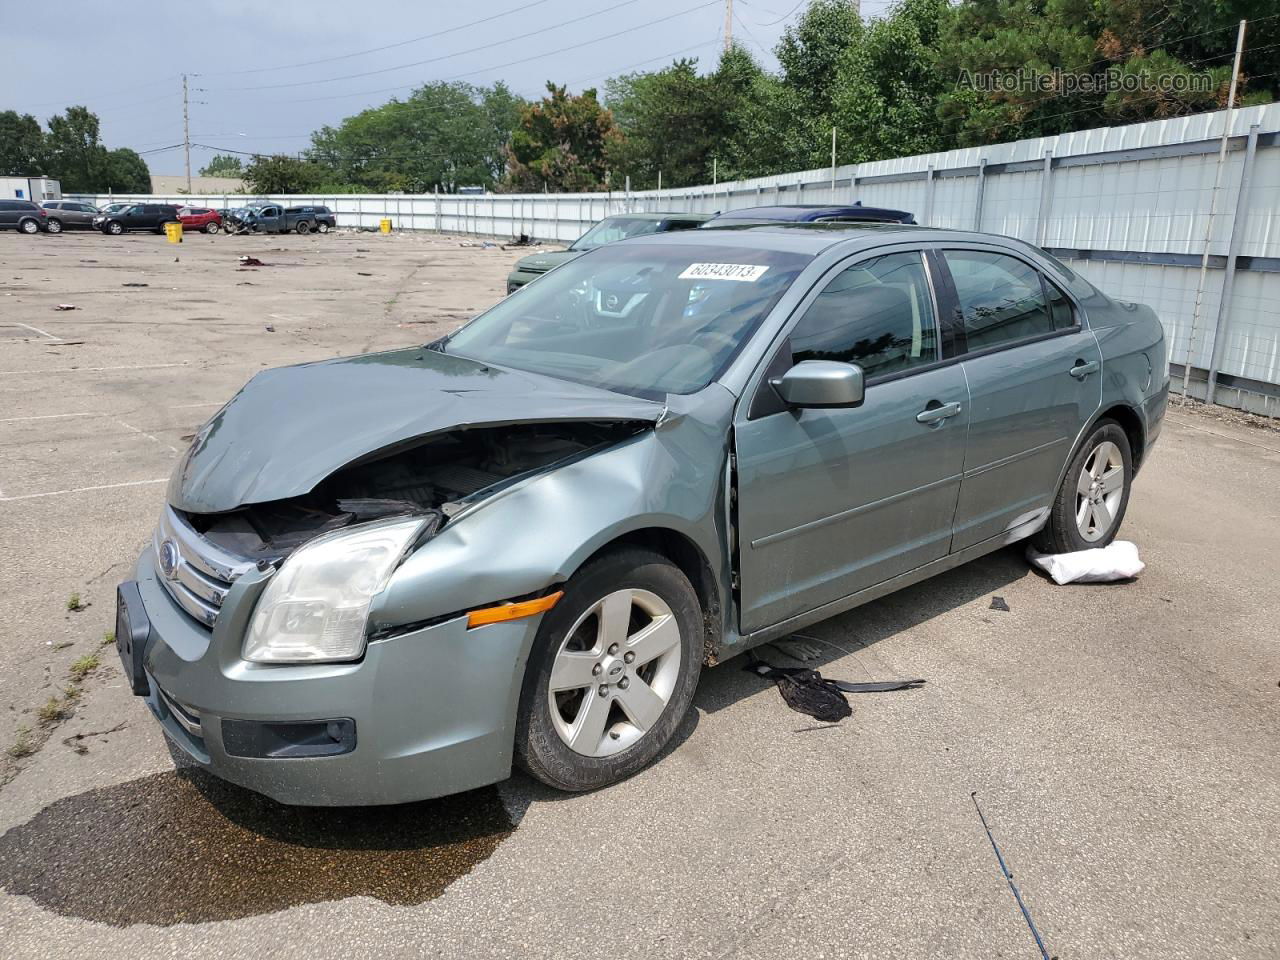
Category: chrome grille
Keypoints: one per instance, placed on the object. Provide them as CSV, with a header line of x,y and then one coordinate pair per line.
x,y
197,574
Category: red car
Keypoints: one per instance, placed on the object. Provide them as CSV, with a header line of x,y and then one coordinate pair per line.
x,y
200,218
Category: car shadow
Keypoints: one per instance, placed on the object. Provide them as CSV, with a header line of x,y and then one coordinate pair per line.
x,y
863,627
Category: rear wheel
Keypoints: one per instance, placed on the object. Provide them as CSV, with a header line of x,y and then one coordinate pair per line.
x,y
1091,503
53,225
612,672
29,225
322,227
302,227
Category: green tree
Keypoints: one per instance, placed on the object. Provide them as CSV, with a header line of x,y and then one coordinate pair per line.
x,y
21,144
887,85
223,165
73,152
444,135
810,53
125,172
283,174
562,143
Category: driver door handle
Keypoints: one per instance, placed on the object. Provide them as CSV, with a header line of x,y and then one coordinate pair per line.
x,y
1082,369
938,413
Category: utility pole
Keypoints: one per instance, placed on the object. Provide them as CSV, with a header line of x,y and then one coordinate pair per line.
x,y
1213,210
186,130
728,25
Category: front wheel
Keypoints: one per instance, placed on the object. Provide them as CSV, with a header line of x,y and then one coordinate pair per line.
x,y
1094,495
211,227
612,672
113,228
29,226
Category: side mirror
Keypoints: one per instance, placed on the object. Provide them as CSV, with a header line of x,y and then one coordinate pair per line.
x,y
821,383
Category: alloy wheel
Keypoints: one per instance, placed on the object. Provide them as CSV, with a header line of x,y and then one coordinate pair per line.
x,y
54,226
1099,490
615,672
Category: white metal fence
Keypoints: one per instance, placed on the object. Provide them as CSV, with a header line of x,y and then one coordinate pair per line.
x,y
1128,207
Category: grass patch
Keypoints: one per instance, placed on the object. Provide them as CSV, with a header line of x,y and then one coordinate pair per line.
x,y
23,745
74,603
54,711
108,639
83,666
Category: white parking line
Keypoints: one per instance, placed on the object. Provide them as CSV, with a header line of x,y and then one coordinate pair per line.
x,y
103,486
188,406
43,333
130,426
140,366
50,416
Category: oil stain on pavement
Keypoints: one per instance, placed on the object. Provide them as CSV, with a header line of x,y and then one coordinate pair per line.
x,y
186,848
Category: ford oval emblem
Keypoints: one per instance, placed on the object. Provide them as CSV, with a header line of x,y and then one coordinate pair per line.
x,y
169,559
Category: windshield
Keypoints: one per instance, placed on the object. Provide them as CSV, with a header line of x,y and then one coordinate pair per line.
x,y
637,319
612,229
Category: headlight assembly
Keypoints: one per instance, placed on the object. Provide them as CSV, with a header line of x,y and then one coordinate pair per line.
x,y
315,608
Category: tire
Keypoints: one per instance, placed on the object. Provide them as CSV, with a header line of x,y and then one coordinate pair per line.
x,y
618,721
29,226
113,227
211,228
322,227
53,225
302,228
1090,506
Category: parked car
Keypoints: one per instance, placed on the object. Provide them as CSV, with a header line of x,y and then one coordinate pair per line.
x,y
116,206
608,230
204,219
307,219
138,216
69,215
23,216
274,218
809,213
387,577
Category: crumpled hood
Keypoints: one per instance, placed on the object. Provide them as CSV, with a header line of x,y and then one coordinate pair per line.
x,y
289,428
542,262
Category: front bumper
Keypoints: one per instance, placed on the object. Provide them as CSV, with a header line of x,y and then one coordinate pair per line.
x,y
518,278
433,710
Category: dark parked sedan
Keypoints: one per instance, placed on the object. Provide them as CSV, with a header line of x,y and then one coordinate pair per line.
x,y
809,213
139,216
392,576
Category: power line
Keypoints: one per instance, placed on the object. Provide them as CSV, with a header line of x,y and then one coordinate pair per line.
x,y
509,63
447,56
389,46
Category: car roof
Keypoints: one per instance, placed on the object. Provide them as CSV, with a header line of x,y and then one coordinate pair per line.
x,y
660,216
811,211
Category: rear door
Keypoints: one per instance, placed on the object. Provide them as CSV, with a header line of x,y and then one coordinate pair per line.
x,y
1034,372
832,501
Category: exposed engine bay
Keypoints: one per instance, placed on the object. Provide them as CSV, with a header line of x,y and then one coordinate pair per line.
x,y
435,477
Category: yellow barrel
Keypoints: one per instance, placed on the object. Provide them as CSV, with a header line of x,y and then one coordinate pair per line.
x,y
385,224
174,232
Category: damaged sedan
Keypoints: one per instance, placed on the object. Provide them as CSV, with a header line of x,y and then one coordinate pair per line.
x,y
389,577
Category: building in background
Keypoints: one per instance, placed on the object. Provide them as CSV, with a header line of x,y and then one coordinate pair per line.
x,y
167,186
36,189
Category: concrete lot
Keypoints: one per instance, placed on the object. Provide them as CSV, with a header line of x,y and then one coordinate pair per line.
x,y
1123,740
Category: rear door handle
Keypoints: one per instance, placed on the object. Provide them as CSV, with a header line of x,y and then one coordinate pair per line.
x,y
940,412
1082,369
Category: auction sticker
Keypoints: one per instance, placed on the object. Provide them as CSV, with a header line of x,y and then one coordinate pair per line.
x,y
743,272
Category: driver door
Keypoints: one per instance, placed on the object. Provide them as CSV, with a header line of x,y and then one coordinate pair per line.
x,y
832,501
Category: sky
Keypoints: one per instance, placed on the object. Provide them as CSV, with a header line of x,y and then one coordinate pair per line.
x,y
263,74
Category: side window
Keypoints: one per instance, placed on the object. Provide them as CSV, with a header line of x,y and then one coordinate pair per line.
x,y
877,314
1064,315
1001,298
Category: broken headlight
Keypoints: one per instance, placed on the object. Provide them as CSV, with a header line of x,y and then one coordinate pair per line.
x,y
315,607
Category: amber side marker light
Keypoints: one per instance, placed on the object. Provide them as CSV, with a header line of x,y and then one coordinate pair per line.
x,y
512,611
